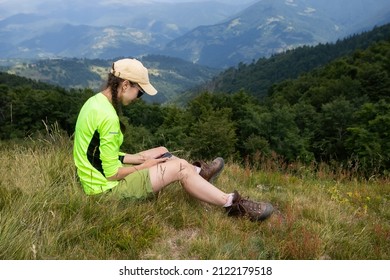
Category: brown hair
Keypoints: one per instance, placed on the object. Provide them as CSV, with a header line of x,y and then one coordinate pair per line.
x,y
113,83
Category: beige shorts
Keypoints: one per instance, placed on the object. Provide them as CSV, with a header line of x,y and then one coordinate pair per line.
x,y
136,185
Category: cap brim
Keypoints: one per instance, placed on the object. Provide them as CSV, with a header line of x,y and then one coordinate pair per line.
x,y
148,89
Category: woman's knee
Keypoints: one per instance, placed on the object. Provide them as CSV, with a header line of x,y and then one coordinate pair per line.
x,y
161,150
185,168
154,152
176,169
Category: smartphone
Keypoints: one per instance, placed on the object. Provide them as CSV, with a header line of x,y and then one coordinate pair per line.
x,y
165,155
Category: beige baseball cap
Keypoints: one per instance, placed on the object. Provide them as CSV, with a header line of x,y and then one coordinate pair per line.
x,y
133,70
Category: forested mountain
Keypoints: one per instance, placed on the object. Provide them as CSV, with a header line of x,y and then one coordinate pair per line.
x,y
256,78
25,104
340,111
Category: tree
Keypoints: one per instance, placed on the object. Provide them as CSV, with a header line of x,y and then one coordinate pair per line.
x,y
175,128
213,135
368,139
331,133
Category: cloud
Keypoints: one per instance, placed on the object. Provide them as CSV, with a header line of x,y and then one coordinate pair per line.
x,y
45,7
290,3
11,7
18,6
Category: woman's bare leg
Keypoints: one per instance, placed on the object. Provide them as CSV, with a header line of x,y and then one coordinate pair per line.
x,y
176,169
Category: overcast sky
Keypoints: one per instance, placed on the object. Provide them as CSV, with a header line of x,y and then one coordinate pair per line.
x,y
10,7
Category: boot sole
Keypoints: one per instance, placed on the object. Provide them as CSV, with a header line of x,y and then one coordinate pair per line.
x,y
215,176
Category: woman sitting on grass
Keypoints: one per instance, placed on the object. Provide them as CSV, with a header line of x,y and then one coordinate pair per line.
x,y
102,168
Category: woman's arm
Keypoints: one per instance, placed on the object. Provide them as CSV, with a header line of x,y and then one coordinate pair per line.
x,y
141,157
134,158
126,170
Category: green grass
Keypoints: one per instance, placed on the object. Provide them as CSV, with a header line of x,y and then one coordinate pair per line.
x,y
44,214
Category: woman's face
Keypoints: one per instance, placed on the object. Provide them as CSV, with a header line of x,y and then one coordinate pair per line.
x,y
127,93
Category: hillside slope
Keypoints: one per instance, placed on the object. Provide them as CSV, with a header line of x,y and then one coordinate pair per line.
x,y
256,78
44,215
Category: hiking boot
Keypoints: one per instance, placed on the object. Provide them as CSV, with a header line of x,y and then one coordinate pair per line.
x,y
211,171
256,211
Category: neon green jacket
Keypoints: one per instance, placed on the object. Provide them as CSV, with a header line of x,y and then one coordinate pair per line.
x,y
96,144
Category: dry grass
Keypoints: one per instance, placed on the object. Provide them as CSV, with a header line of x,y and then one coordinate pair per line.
x,y
45,215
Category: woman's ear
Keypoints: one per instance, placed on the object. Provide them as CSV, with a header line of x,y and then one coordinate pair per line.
x,y
125,84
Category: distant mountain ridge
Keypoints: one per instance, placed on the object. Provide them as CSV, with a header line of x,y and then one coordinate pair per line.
x,y
272,26
96,30
211,33
178,81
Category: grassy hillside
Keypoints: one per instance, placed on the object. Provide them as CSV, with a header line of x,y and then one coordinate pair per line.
x,y
320,215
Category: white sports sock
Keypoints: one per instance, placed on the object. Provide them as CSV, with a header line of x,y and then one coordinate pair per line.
x,y
229,200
